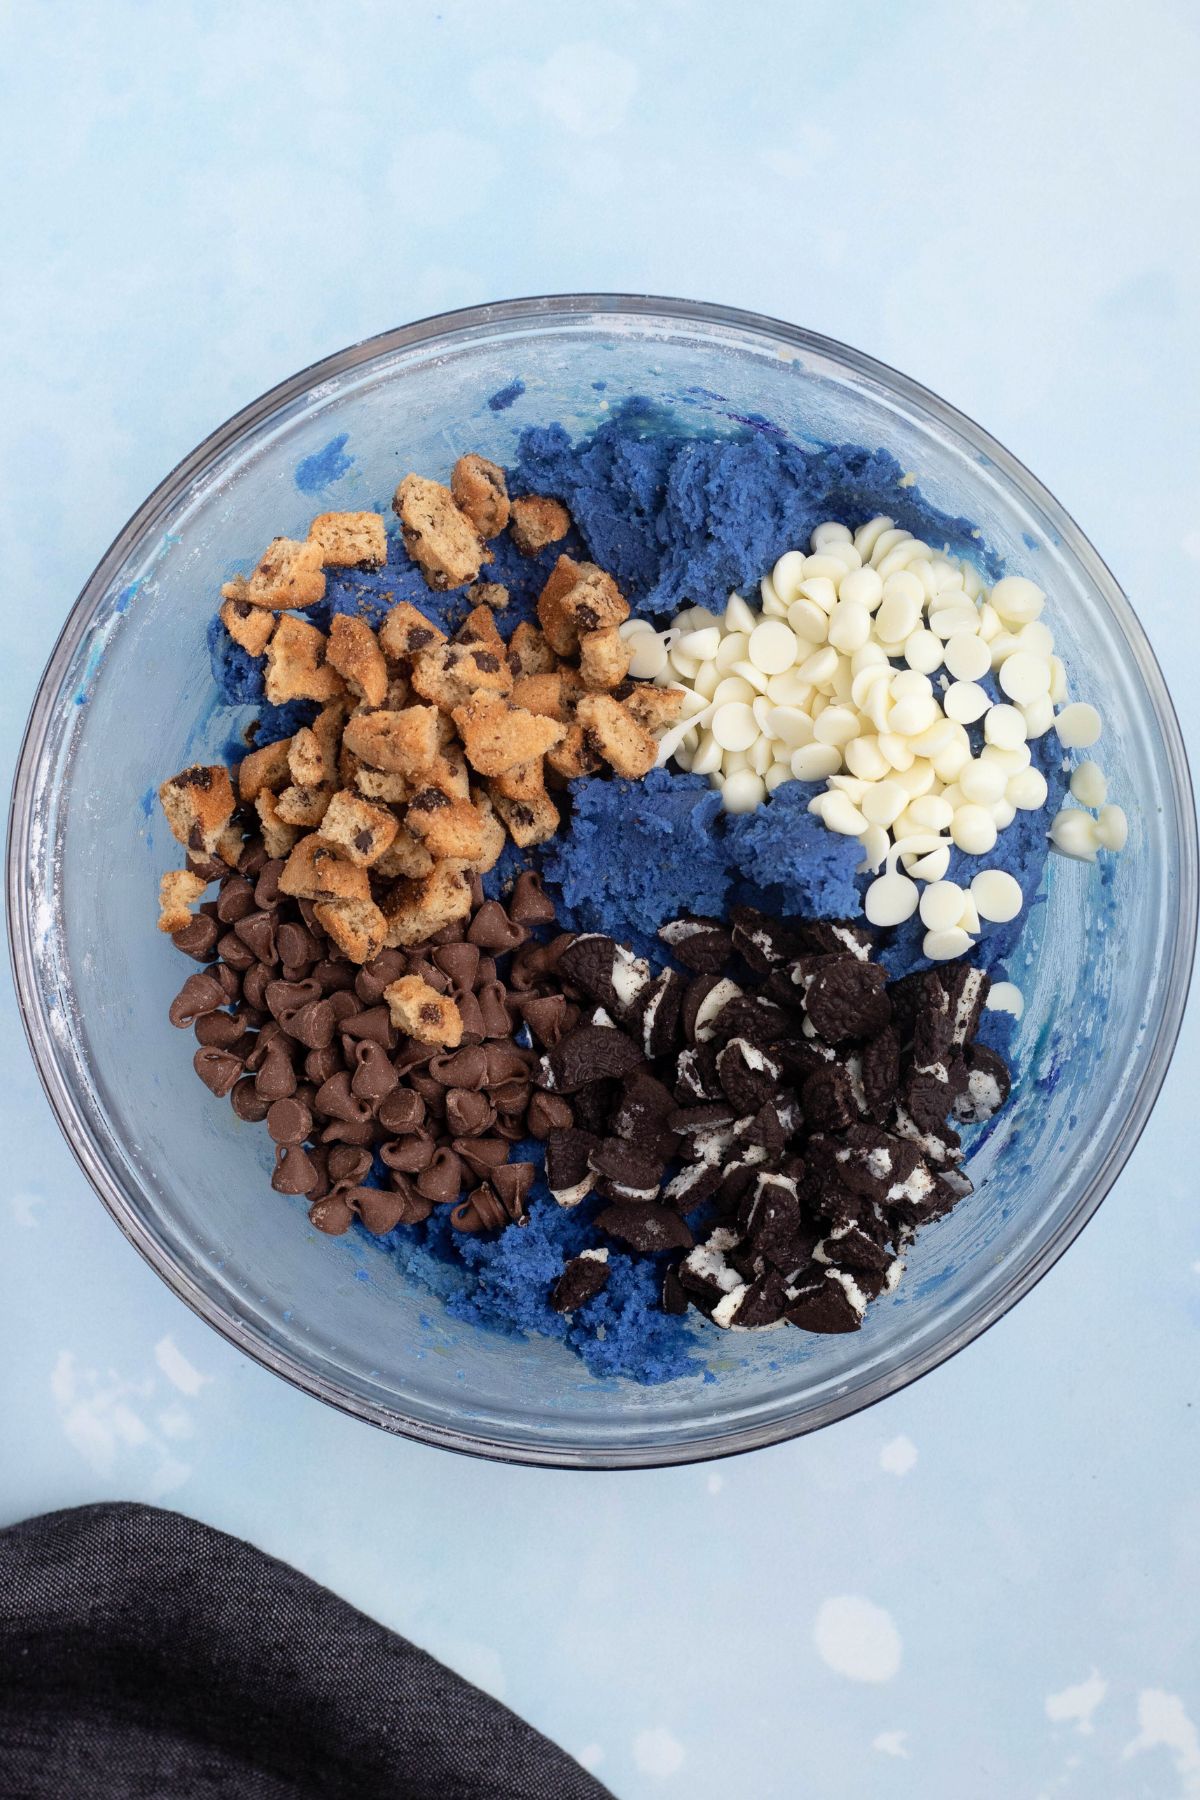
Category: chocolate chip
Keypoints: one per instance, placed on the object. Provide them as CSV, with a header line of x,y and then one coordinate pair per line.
x,y
482,1155
266,883
332,1214
285,998
218,1030
401,1111
848,999
313,1025
235,900
548,1016
374,1077
581,1280
512,1182
289,1122
470,1018
482,1210
319,1065
645,1228
197,939
547,1113
295,1170
374,1024
349,1131
442,1180
588,1053
234,953
335,1099
348,1164
504,1063
375,976
257,931
276,1077
492,929
468,1112
218,1070
410,1154
465,1068
255,985
382,1209
530,904
493,1010
247,1102
200,994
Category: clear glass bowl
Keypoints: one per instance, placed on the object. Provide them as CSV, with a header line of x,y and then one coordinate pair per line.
x,y
127,698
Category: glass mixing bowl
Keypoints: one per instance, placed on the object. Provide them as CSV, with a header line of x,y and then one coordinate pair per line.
x,y
126,699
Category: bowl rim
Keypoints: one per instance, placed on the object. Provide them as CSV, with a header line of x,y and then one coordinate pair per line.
x,y
31,1000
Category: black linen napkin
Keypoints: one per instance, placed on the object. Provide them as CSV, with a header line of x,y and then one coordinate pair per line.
x,y
144,1655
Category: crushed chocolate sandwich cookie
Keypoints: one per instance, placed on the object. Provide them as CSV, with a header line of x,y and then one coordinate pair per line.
x,y
406,1069
782,1122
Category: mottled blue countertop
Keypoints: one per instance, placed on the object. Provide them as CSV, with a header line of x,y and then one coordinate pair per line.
x,y
987,1584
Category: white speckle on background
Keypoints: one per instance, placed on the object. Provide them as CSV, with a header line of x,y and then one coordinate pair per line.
x,y
1191,544
587,88
898,1456
590,1757
176,1367
856,1638
891,1743
101,1418
715,1483
1075,1705
1164,1724
658,1752
475,1662
24,1207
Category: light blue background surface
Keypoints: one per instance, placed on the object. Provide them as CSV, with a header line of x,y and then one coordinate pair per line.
x,y
988,1585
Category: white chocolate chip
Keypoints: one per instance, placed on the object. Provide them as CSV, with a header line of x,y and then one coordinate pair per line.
x,y
997,895
734,726
1004,726
1075,834
942,905
1112,828
967,656
1027,790
1024,677
1039,716
743,791
965,701
815,762
1078,726
973,830
942,946
982,782
890,900
1005,997
1017,600
772,647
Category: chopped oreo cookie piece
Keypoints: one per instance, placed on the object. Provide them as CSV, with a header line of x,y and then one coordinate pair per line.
x,y
828,1099
832,937
880,1072
648,1229
625,1172
569,1174
642,1111
702,945
585,1276
587,1053
696,1077
987,1085
704,1000
747,1075
847,1000
672,1298
593,1105
758,1021
761,941
605,971
850,1247
930,1093
659,1020
836,1305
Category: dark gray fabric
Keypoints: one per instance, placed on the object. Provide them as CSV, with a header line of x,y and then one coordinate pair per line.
x,y
144,1655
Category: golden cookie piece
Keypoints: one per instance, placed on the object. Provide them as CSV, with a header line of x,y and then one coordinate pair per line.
x,y
278,839
604,658
249,626
405,856
449,674
536,521
422,1013
403,743
361,832
357,927
438,537
289,575
350,540
178,893
447,826
198,803
615,734
528,821
406,632
488,593
296,665
304,806
481,492
496,736
415,909
354,652
574,756
316,870
653,707
529,653
268,768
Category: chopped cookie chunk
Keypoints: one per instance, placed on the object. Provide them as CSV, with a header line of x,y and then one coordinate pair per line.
x,y
268,768
529,821
315,870
614,734
524,781
415,909
357,927
551,696
489,593
440,538
654,708
289,574
354,652
423,1013
593,602
446,826
450,773
497,736
558,631
178,893
296,666
361,832
381,784
249,626
481,492
406,855
604,657
303,805
199,804
574,756
479,627
350,540
278,839
405,632
402,743
449,674
494,834
306,759
529,653
536,521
